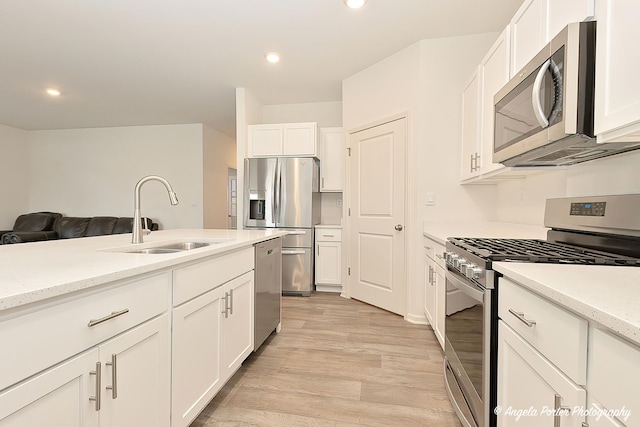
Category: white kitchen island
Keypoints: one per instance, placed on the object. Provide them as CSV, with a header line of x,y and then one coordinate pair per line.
x,y
95,335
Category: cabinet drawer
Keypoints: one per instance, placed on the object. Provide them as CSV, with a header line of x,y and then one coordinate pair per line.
x,y
56,331
614,374
434,251
328,234
200,277
558,334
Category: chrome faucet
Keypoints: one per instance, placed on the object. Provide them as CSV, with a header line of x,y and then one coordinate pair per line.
x,y
137,221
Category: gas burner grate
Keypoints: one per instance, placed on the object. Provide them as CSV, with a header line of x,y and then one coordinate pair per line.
x,y
539,251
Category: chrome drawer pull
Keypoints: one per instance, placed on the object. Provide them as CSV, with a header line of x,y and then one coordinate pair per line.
x,y
328,235
98,374
114,376
559,410
231,301
94,322
226,308
520,316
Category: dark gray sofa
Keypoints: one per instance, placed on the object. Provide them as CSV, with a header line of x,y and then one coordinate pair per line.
x,y
36,227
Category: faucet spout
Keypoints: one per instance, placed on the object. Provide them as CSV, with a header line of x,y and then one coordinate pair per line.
x,y
137,218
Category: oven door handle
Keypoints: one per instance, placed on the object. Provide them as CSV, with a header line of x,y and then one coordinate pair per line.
x,y
465,287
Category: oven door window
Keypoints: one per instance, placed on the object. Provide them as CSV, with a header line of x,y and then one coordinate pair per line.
x,y
533,105
464,328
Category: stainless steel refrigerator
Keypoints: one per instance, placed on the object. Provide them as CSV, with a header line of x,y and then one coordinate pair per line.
x,y
283,193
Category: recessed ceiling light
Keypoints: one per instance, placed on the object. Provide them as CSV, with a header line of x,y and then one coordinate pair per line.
x,y
273,57
53,92
355,4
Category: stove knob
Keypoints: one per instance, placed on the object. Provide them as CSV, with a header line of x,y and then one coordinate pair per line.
x,y
475,273
453,258
458,262
468,270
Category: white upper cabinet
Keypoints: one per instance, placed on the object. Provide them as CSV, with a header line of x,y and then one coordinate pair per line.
x,y
617,96
285,139
470,135
493,75
563,12
539,21
528,33
331,159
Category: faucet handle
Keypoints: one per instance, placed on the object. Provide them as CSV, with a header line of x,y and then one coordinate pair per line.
x,y
146,231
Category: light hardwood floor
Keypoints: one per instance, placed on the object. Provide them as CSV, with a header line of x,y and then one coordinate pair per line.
x,y
337,362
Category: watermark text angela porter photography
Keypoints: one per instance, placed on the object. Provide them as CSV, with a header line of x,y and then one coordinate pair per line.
x,y
547,411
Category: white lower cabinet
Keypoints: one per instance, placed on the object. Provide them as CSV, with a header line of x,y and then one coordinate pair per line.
x,y
328,262
532,392
122,382
212,335
434,288
57,397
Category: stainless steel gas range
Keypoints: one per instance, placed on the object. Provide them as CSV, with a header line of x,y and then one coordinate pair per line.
x,y
598,230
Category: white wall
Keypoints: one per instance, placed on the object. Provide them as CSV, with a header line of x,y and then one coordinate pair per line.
x,y
14,177
425,80
248,112
91,172
523,201
326,114
219,154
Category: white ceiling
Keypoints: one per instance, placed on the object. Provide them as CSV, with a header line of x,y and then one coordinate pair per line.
x,y
138,62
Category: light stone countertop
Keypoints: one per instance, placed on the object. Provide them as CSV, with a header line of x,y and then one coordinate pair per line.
x,y
441,230
328,226
32,272
607,295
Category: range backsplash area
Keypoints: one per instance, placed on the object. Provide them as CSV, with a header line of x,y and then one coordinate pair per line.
x,y
523,200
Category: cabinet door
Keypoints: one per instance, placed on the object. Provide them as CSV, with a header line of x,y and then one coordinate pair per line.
x,y
493,74
237,324
265,140
300,139
429,290
195,350
328,257
135,376
470,123
529,382
441,292
563,12
599,415
617,96
331,159
57,397
528,33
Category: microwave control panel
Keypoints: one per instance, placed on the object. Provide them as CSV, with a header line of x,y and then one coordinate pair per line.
x,y
588,209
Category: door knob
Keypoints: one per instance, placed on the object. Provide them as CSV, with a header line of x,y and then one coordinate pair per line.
x,y
399,227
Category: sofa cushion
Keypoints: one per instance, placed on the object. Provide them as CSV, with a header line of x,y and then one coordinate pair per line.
x,y
101,225
69,227
124,225
33,222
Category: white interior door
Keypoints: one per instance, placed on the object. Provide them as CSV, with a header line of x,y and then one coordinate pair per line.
x,y
377,186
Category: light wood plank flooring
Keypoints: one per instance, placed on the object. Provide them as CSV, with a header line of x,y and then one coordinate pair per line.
x,y
337,362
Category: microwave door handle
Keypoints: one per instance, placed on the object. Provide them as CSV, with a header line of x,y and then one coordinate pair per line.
x,y
557,78
538,111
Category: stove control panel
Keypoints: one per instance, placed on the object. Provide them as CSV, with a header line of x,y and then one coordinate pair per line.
x,y
465,267
588,209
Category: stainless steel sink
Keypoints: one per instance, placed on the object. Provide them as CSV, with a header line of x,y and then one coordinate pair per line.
x,y
156,251
177,247
184,246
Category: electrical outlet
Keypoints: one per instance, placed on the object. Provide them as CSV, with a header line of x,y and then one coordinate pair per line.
x,y
339,203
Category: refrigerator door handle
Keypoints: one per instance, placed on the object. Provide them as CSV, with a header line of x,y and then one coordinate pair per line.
x,y
278,193
274,194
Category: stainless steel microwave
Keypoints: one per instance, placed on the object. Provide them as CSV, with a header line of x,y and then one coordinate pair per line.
x,y
544,115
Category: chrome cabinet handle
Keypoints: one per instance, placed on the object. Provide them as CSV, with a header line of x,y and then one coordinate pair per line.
x,y
231,301
114,314
323,182
225,311
327,235
559,410
98,374
114,376
398,227
471,163
520,317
